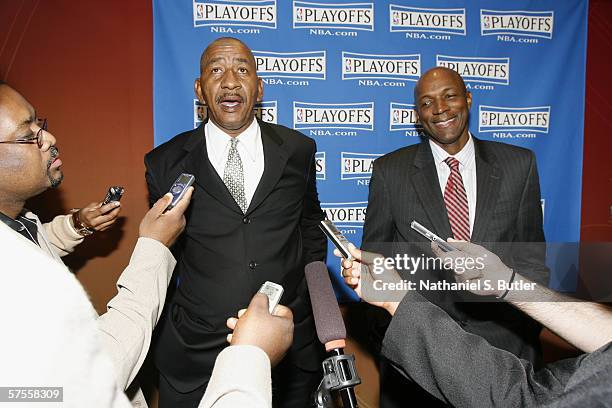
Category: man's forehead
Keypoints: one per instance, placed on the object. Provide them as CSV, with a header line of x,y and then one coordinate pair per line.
x,y
15,111
438,81
233,50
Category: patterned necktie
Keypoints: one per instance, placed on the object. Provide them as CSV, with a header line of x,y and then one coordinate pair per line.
x,y
455,199
233,176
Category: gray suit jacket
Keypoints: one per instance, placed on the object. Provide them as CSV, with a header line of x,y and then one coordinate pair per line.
x,y
464,370
404,187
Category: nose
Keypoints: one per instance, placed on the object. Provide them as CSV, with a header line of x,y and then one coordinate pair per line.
x,y
440,106
230,80
48,140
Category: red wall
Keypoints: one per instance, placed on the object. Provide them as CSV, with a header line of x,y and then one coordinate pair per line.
x,y
597,169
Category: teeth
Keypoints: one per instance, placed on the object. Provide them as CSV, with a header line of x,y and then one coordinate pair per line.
x,y
230,104
445,123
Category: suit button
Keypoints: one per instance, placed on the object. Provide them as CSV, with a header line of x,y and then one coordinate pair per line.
x,y
252,264
246,220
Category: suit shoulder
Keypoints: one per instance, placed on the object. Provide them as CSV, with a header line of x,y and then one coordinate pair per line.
x,y
505,148
504,152
173,145
400,155
291,135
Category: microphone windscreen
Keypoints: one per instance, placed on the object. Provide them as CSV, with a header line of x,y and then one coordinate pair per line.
x,y
327,317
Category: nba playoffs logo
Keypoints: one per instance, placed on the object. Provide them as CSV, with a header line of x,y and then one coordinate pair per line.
x,y
306,65
251,13
504,119
478,69
518,22
333,15
266,111
427,20
378,66
348,215
402,116
358,116
356,166
320,165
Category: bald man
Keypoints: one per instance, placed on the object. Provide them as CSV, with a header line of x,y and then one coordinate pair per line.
x,y
457,186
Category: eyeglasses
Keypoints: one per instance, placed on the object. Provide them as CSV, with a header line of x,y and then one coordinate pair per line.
x,y
37,139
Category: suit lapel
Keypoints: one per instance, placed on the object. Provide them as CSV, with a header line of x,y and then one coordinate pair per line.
x,y
488,183
275,159
427,187
197,163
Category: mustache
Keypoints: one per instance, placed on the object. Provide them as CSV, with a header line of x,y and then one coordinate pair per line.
x,y
54,151
220,98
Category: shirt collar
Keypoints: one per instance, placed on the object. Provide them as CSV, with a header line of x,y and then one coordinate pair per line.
x,y
248,139
15,225
466,156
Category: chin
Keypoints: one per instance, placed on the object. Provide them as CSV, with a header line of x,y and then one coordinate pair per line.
x,y
57,180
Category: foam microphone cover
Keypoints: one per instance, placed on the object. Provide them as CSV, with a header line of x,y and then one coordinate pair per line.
x,y
327,317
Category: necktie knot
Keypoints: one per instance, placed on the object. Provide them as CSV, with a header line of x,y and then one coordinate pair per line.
x,y
452,163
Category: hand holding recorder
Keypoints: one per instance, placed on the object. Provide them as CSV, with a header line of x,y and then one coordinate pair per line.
x,y
255,326
165,226
98,216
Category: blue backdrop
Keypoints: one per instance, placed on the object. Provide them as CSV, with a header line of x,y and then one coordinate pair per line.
x,y
343,72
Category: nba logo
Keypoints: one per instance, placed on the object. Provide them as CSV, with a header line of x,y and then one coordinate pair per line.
x,y
349,65
300,115
347,165
395,116
299,13
395,17
200,10
487,22
485,118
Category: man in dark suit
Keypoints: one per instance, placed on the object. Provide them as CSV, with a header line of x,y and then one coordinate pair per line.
x,y
254,217
457,186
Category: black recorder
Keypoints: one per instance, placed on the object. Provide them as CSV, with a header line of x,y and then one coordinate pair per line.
x,y
179,187
336,237
114,193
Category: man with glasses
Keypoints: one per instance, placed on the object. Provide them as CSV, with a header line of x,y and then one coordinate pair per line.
x,y
31,164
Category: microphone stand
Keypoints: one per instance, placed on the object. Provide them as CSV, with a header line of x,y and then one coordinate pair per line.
x,y
340,375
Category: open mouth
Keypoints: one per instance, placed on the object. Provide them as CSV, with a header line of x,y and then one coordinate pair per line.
x,y
230,102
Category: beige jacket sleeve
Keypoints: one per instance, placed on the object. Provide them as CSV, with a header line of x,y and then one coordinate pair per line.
x,y
62,237
127,326
240,378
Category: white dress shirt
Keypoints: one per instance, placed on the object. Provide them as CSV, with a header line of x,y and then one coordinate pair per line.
x,y
250,149
467,169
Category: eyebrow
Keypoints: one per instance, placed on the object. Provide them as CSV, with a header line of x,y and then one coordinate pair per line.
x,y
213,60
450,88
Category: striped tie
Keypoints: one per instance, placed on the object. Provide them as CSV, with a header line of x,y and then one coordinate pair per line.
x,y
456,202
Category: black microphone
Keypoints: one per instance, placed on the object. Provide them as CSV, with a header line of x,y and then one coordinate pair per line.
x,y
339,369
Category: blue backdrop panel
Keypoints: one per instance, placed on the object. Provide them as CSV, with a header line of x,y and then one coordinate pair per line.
x,y
343,73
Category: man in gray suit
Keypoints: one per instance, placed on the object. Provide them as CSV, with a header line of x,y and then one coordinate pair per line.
x,y
457,186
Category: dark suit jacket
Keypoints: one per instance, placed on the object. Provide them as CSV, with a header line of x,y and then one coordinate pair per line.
x,y
224,256
404,187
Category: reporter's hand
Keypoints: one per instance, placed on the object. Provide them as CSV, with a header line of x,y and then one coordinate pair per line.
x,y
165,227
487,268
255,326
359,275
100,217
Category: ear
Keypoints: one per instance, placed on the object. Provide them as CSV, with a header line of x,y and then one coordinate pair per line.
x,y
260,90
197,88
468,97
417,117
